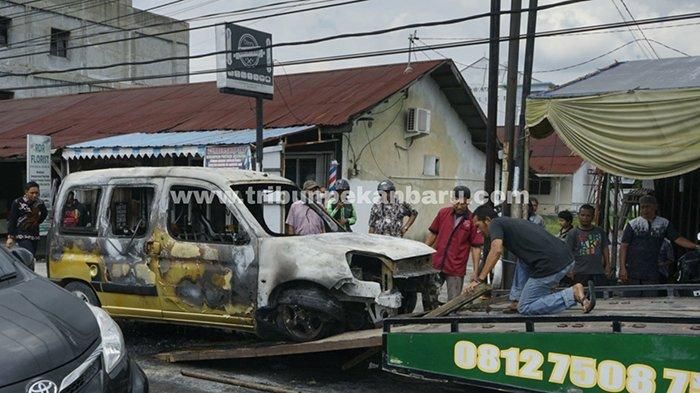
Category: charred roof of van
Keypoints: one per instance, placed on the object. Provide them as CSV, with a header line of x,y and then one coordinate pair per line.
x,y
234,176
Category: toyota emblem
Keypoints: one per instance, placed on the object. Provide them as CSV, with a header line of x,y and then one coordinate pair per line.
x,y
43,386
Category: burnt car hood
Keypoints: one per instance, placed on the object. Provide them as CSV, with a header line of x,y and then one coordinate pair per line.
x,y
342,242
42,327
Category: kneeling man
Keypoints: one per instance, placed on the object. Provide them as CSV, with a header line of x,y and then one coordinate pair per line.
x,y
546,259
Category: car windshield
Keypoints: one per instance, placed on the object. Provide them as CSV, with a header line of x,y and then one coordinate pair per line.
x,y
270,203
7,268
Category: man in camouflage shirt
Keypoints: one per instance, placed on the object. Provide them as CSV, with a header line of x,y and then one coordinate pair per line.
x,y
387,216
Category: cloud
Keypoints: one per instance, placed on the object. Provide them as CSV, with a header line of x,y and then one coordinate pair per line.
x,y
551,53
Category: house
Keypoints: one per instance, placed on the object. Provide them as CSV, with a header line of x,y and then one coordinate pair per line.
x,y
420,128
53,35
559,179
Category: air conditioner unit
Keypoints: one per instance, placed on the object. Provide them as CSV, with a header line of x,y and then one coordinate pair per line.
x,y
417,122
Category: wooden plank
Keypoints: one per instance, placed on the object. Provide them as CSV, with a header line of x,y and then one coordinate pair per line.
x,y
371,338
349,340
460,301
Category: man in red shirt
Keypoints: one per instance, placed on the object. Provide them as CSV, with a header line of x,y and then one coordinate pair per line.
x,y
453,235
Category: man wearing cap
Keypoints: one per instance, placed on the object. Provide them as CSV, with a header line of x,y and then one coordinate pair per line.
x,y
641,244
339,208
387,215
302,219
453,235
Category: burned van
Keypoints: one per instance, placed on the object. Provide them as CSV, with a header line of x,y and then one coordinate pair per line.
x,y
208,246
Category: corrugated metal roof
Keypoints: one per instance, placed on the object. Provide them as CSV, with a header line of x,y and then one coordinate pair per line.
x,y
170,143
674,73
550,156
327,98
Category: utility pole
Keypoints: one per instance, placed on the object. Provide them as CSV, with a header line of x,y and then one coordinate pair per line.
x,y
259,133
492,111
511,92
521,154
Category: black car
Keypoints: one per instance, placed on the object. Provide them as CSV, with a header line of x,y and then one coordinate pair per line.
x,y
51,341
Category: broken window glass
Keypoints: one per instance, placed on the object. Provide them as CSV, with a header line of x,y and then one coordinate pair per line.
x,y
79,211
130,208
198,215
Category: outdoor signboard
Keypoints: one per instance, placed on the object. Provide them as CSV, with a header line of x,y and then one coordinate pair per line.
x,y
566,362
39,170
247,61
228,157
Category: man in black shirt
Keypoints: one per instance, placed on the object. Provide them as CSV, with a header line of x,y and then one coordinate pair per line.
x,y
545,258
26,213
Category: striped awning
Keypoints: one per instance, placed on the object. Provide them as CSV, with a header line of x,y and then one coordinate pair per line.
x,y
171,144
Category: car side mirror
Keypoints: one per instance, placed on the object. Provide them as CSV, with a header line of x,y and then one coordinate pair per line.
x,y
23,256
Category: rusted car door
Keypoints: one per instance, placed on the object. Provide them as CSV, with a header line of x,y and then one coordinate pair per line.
x,y
129,281
207,266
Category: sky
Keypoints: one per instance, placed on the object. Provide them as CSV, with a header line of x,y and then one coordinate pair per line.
x,y
551,53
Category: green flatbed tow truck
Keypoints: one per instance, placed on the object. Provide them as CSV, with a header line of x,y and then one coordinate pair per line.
x,y
640,345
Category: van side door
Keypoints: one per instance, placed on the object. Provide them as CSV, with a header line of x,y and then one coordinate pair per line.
x,y
207,263
129,285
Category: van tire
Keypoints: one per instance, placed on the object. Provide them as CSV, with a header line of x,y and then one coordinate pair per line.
x,y
307,314
84,292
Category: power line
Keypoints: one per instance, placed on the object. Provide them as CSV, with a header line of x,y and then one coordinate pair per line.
x,y
589,60
306,42
240,11
634,36
671,48
573,34
189,29
13,4
46,38
50,8
640,29
379,53
55,10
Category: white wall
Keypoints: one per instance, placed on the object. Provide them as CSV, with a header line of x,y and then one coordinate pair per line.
x,y
392,156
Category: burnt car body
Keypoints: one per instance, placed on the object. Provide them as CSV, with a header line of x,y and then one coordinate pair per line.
x,y
53,342
207,246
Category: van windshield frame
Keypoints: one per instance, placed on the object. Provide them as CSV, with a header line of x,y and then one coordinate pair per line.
x,y
251,194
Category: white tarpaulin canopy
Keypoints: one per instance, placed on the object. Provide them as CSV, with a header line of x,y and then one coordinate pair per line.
x,y
639,119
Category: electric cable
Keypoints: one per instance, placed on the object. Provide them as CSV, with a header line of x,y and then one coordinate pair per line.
x,y
640,29
187,29
47,37
634,36
367,54
158,24
305,42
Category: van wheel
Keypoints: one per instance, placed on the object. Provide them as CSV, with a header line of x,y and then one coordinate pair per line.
x,y
300,324
307,314
83,291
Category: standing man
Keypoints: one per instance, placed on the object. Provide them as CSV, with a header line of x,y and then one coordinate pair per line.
x,y
589,244
641,244
26,213
453,235
302,219
339,208
387,215
532,215
546,259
